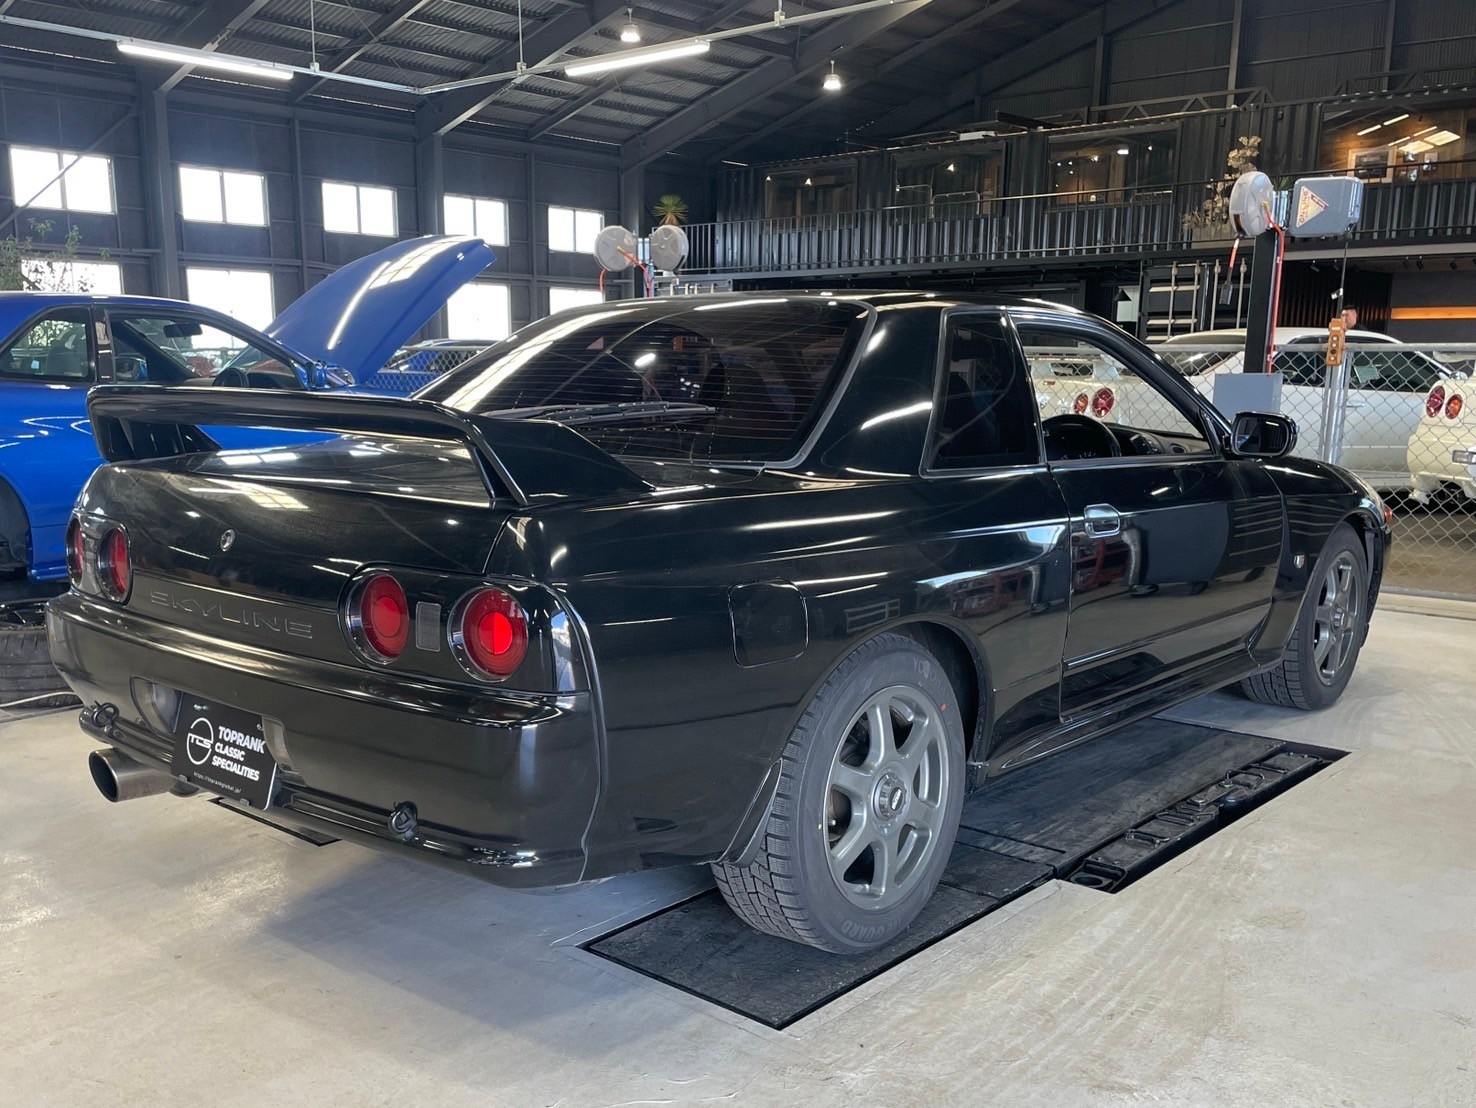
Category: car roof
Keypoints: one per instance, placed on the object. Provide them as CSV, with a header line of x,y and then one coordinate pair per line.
x,y
17,307
897,298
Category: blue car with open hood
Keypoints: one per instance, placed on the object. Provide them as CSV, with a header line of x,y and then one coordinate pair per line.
x,y
55,346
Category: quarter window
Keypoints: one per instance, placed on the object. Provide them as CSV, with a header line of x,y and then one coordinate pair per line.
x,y
985,417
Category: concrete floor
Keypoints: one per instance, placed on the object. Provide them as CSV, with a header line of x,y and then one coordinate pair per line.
x,y
1322,951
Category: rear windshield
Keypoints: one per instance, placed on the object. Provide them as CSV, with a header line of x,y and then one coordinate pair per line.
x,y
714,381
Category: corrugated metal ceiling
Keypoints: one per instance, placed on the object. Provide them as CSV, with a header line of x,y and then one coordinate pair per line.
x,y
433,41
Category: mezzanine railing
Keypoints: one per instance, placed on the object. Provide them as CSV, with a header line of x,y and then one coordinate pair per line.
x,y
1133,223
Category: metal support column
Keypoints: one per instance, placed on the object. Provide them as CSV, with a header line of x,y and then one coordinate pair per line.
x,y
1259,316
632,213
159,191
430,205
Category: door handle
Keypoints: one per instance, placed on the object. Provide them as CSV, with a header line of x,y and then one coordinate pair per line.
x,y
1355,404
1102,521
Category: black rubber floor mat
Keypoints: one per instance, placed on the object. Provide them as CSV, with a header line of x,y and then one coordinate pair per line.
x,y
1040,822
1059,809
703,948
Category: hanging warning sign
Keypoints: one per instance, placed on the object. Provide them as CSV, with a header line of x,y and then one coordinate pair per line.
x,y
1309,207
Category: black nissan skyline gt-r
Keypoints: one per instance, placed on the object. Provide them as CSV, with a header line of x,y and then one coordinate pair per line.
x,y
767,582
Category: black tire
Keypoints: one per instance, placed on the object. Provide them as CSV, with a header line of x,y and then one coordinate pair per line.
x,y
28,680
791,888
1303,680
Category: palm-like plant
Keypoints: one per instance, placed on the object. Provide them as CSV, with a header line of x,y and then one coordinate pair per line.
x,y
671,210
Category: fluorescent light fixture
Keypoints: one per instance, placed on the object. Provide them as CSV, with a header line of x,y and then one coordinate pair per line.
x,y
1122,151
1440,138
832,82
205,59
627,58
1369,130
1396,119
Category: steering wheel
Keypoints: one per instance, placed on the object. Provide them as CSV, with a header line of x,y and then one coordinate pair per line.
x,y
1069,437
233,377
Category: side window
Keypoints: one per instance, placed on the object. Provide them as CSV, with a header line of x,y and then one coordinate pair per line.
x,y
1395,371
164,350
985,415
52,349
1300,367
1075,376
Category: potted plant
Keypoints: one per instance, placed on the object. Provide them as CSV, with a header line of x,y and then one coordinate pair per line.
x,y
1210,222
671,210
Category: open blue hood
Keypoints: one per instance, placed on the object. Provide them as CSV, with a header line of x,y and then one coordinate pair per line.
x,y
357,316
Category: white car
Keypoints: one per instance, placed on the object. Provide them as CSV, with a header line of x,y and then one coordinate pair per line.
x,y
1442,450
1386,394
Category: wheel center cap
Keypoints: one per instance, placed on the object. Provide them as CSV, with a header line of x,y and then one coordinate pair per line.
x,y
889,797
1339,618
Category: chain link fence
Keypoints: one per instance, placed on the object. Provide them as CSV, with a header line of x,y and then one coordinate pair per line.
x,y
1401,417
416,366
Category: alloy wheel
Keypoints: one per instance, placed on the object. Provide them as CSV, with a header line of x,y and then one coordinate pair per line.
x,y
886,796
1335,623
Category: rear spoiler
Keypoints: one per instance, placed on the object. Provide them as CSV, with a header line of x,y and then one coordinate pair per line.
x,y
524,459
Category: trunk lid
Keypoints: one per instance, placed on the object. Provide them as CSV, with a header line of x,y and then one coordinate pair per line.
x,y
293,525
360,314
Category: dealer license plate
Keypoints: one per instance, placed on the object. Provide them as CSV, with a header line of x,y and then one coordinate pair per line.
x,y
224,749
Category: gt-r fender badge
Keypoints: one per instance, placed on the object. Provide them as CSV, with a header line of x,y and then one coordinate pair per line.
x,y
227,537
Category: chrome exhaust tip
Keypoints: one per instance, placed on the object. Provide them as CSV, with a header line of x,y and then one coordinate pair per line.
x,y
118,777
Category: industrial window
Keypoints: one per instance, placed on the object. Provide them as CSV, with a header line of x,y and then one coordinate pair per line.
x,y
222,196
61,179
1112,169
52,275
560,299
1399,140
985,415
358,209
244,294
573,230
479,310
478,217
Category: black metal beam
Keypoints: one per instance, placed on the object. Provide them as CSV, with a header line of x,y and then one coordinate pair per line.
x,y
762,81
922,46
548,41
355,47
991,75
208,28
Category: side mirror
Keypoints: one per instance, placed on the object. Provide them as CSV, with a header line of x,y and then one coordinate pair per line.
x,y
129,367
1262,435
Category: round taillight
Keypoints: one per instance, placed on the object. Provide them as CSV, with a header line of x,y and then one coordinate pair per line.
x,y
76,551
1435,401
114,570
1102,402
382,617
491,631
1080,404
1453,406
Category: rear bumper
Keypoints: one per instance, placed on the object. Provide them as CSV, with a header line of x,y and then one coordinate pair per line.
x,y
1431,464
503,784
